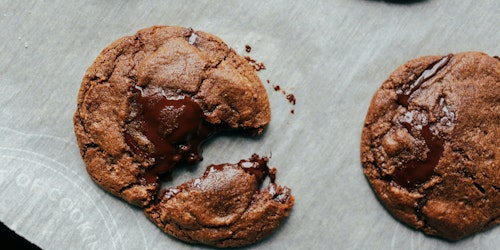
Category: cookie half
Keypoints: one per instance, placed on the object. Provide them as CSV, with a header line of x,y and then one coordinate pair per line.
x,y
225,207
149,101
430,144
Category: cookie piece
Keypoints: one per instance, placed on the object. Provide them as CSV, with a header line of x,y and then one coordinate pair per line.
x,y
225,207
149,100
430,144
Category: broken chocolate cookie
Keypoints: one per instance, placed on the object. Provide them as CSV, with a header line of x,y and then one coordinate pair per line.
x,y
225,207
149,101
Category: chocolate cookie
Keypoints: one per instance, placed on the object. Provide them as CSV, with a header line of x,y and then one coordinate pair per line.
x,y
430,144
225,207
149,100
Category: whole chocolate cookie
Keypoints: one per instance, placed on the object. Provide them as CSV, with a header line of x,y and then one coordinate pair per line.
x,y
149,100
225,207
430,144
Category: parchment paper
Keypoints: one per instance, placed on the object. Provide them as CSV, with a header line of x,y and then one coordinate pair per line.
x,y
332,55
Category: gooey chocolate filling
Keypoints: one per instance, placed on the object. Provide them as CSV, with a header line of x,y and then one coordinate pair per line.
x,y
428,73
418,171
175,127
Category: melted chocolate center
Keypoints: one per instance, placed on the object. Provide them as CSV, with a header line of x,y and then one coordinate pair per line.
x,y
404,97
418,171
174,125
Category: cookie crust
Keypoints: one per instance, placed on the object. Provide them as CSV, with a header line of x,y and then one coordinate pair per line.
x,y
430,147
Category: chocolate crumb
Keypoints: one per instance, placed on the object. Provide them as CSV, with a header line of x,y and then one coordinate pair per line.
x,y
250,60
248,48
291,99
258,66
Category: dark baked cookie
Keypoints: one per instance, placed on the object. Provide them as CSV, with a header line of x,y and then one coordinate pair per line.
x,y
149,100
430,144
225,207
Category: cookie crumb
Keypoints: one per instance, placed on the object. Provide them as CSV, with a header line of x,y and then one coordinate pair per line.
x,y
248,48
258,66
291,99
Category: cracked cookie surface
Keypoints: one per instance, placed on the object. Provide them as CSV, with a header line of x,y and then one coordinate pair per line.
x,y
430,144
149,101
225,207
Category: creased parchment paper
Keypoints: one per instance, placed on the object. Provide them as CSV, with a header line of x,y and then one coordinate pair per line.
x,y
332,55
